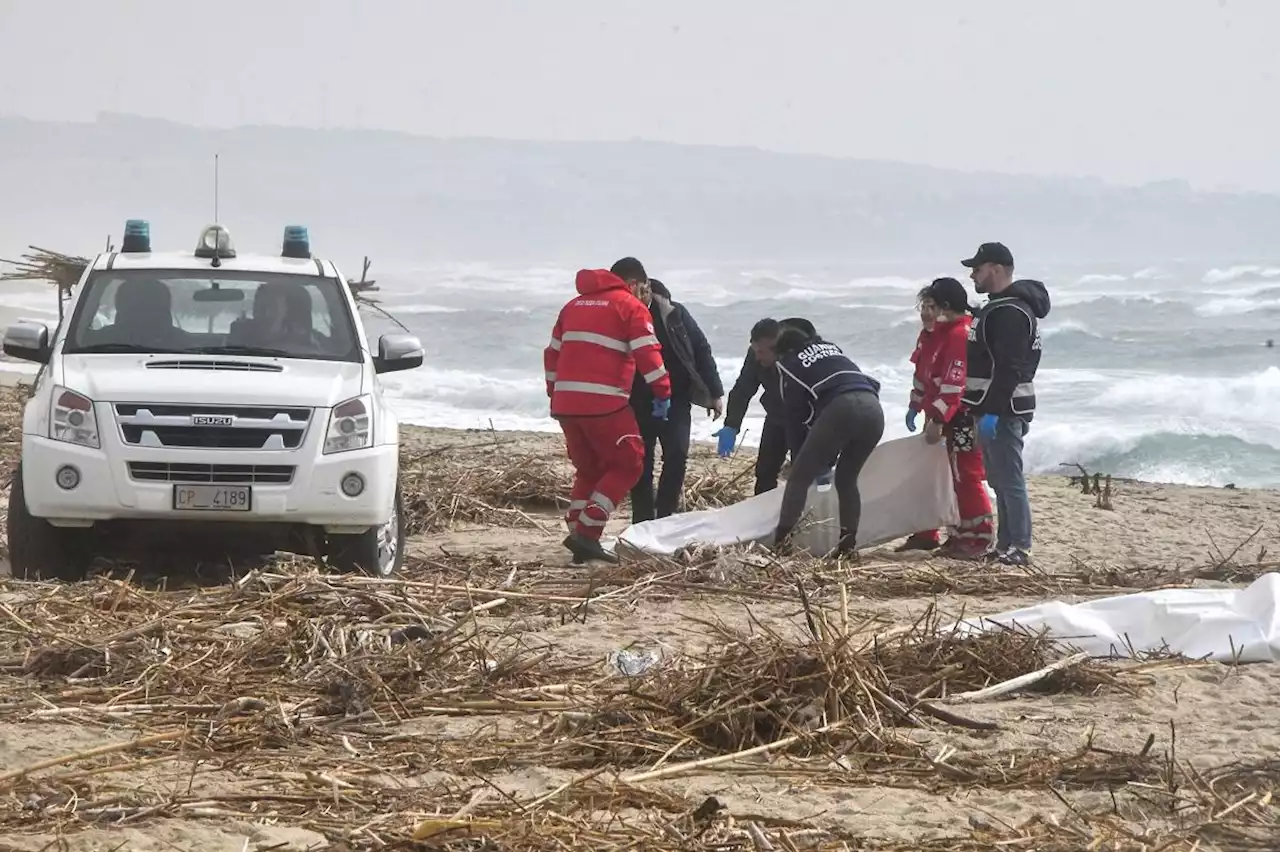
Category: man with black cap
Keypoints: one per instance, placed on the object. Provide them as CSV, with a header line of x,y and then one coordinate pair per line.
x,y
1004,352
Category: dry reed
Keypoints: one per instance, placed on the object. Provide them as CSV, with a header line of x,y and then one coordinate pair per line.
x,y
320,702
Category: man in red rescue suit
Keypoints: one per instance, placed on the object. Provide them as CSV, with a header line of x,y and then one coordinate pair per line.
x,y
941,364
600,340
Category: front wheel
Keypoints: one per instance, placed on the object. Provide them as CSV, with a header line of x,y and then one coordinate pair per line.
x,y
378,552
37,549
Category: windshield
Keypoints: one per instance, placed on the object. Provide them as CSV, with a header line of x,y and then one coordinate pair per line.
x,y
214,312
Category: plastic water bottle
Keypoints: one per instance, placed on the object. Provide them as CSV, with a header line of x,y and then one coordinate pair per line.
x,y
820,529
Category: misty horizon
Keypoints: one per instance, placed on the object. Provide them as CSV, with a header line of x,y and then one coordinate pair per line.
x,y
405,198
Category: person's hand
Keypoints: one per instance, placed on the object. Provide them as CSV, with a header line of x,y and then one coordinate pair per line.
x,y
716,411
825,477
911,419
726,438
932,432
660,408
987,426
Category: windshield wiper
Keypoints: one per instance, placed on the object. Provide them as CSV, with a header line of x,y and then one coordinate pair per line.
x,y
264,351
106,348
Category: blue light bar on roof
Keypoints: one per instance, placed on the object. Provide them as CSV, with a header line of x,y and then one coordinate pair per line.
x,y
297,243
137,236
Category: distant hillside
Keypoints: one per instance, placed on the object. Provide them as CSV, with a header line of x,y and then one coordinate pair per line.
x,y
401,197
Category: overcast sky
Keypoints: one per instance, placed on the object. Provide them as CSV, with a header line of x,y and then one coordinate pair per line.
x,y
1127,90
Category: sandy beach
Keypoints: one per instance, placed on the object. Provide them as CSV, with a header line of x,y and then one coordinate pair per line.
x,y
287,709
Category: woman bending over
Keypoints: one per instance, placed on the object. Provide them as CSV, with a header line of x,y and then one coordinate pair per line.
x,y
833,418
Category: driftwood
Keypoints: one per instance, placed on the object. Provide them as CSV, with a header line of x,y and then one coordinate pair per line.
x,y
1018,683
1104,495
1093,484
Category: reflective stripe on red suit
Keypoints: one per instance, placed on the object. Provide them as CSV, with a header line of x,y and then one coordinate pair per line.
x,y
941,364
599,341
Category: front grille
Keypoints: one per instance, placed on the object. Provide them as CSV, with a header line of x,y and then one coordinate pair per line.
x,y
223,426
220,474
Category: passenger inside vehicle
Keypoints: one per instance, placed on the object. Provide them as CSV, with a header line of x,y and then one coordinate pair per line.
x,y
281,320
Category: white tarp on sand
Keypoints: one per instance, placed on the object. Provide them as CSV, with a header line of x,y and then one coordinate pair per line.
x,y
1220,624
905,486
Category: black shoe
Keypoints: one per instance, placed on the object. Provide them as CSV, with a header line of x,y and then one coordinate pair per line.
x,y
576,560
847,549
585,549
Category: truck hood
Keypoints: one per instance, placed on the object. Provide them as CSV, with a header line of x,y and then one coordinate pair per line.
x,y
211,379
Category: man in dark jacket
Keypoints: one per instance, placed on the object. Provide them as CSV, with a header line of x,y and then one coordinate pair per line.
x,y
694,381
759,370
1004,353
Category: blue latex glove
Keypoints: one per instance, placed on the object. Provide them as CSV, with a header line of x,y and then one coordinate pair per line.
x,y
987,426
660,408
825,477
727,437
911,419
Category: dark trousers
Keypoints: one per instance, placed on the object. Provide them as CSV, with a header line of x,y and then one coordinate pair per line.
x,y
673,436
844,435
772,453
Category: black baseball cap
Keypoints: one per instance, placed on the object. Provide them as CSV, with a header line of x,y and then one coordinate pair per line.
x,y
990,253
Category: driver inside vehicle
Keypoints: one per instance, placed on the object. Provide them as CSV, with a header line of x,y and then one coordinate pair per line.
x,y
143,315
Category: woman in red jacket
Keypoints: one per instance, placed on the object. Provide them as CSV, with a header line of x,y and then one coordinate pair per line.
x,y
941,362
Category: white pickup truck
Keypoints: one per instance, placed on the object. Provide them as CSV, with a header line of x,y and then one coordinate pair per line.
x,y
207,397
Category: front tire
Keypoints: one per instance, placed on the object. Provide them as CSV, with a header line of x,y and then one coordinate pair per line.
x,y
37,549
378,552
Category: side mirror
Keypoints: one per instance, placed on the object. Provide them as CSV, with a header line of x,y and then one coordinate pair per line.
x,y
28,341
397,352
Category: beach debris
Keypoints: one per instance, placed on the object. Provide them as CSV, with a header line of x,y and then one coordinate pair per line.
x,y
632,662
375,711
1104,500
1086,483
40,264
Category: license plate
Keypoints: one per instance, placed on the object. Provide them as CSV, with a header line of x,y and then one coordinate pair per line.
x,y
211,498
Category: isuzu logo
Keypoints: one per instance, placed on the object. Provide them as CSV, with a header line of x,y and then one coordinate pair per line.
x,y
212,420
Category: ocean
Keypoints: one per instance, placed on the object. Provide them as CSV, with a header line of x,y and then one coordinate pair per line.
x,y
1160,373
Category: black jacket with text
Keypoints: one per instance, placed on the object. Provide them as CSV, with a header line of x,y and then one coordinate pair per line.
x,y
809,379
1004,352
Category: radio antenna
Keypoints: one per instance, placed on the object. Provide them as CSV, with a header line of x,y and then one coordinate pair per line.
x,y
215,188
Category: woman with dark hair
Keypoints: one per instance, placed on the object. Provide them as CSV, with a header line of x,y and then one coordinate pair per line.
x,y
941,359
833,418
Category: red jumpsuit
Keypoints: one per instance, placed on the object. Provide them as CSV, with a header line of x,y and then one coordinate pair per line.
x,y
599,341
941,363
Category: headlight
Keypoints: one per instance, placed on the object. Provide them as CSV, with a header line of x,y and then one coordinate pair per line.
x,y
73,420
350,425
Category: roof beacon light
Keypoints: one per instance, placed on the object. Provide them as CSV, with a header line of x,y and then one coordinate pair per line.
x,y
296,242
137,236
215,242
